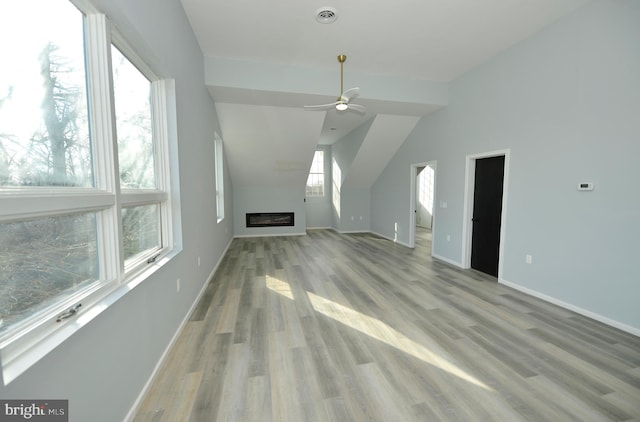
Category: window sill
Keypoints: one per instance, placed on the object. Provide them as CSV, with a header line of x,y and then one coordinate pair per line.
x,y
34,351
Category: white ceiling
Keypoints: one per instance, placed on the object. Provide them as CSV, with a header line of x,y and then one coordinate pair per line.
x,y
274,57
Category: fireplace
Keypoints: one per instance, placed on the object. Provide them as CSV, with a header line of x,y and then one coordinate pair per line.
x,y
269,219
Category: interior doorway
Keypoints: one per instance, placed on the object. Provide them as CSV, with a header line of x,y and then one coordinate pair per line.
x,y
487,210
485,201
422,198
425,186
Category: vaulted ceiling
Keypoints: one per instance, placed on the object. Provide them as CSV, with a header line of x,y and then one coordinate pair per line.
x,y
265,60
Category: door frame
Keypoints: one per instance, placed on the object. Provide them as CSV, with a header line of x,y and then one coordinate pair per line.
x,y
467,213
413,173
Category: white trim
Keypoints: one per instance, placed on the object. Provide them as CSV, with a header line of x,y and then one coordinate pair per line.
x,y
218,152
448,261
142,197
165,354
105,152
127,50
43,203
467,212
163,109
391,239
102,109
585,312
85,6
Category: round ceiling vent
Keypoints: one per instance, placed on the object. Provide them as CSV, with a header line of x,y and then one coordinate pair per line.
x,y
326,15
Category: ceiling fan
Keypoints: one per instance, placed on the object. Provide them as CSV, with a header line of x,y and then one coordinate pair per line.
x,y
343,101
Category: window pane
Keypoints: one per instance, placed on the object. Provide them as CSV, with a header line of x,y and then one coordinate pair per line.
x,y
44,261
132,93
317,166
44,130
141,230
315,181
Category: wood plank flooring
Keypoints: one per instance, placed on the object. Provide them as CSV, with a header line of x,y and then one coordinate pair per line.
x,y
331,327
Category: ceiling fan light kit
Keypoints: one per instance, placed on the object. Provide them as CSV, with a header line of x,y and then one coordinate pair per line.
x,y
343,101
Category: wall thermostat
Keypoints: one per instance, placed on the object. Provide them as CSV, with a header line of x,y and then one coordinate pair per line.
x,y
585,186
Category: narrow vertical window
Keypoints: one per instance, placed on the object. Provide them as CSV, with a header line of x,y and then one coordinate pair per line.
x,y
219,157
315,181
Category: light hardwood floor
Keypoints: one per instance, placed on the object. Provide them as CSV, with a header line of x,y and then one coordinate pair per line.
x,y
330,327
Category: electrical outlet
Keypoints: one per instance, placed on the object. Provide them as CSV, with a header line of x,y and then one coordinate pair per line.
x,y
528,259
178,286
448,238
198,261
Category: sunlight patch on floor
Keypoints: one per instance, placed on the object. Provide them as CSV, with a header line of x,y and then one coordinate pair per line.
x,y
279,286
386,334
376,329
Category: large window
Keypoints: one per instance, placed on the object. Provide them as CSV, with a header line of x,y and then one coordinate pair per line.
x,y
84,207
315,181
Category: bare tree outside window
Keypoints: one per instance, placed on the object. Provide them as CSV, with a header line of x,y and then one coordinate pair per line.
x,y
64,261
44,129
44,142
61,243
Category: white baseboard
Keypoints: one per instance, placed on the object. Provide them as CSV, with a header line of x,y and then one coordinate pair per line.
x,y
136,405
391,239
448,261
585,312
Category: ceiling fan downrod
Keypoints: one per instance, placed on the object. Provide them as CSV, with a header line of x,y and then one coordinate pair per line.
x,y
341,58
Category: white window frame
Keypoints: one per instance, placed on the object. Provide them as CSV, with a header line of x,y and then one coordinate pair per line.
x,y
324,175
219,159
32,339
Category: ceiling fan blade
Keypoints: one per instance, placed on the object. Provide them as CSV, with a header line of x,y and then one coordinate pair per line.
x,y
345,97
357,107
350,93
320,107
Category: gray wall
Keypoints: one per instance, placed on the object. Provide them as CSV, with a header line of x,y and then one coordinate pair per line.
x,y
257,199
103,367
566,103
354,210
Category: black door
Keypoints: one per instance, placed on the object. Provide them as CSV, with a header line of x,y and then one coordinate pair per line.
x,y
487,211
